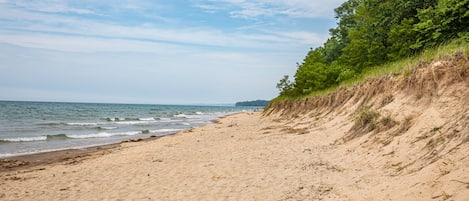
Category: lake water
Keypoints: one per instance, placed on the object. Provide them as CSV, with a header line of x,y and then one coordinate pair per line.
x,y
33,127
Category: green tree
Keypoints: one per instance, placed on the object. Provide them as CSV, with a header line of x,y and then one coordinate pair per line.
x,y
285,86
339,35
401,37
310,75
447,20
367,39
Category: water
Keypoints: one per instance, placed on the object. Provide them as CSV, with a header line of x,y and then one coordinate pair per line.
x,y
33,127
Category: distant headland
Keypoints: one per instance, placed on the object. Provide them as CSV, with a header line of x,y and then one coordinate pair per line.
x,y
258,103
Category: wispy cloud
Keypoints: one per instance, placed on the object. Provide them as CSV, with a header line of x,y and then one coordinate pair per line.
x,y
65,33
49,6
268,8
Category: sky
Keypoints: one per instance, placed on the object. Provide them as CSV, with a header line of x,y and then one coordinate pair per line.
x,y
157,52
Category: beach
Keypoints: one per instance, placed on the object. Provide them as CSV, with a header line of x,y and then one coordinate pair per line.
x,y
245,156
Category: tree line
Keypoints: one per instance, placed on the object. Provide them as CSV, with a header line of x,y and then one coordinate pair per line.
x,y
256,103
373,32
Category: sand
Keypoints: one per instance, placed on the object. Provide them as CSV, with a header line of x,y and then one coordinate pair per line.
x,y
240,157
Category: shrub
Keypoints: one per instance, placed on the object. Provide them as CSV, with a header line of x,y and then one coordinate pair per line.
x,y
366,120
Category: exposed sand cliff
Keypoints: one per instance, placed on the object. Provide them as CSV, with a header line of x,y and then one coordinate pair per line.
x,y
406,136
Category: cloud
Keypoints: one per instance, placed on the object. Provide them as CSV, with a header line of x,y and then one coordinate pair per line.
x,y
268,8
72,34
50,6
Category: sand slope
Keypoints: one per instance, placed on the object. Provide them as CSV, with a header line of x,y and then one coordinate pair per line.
x,y
406,136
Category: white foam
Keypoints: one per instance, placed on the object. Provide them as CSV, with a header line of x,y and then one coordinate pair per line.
x,y
186,116
82,124
134,122
104,135
116,119
180,115
24,139
3,155
146,119
107,127
168,120
96,135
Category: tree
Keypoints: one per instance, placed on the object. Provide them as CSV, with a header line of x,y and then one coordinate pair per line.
x,y
401,37
447,20
312,74
285,86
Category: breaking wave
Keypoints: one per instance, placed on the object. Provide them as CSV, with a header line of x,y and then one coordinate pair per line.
x,y
83,136
81,124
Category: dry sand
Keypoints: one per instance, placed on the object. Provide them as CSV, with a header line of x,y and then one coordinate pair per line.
x,y
241,157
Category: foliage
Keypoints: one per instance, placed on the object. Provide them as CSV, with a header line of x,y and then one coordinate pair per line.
x,y
448,19
285,86
372,33
366,120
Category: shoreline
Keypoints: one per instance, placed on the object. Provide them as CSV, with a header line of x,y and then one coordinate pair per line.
x,y
20,162
73,155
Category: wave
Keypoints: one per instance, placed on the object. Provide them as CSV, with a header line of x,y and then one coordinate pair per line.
x,y
36,138
81,124
186,116
106,127
83,136
67,136
57,137
104,135
118,119
49,124
146,119
169,120
133,122
24,139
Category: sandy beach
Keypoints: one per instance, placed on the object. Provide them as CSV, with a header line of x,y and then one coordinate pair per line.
x,y
240,157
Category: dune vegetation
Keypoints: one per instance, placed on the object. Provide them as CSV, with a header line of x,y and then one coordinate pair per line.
x,y
375,38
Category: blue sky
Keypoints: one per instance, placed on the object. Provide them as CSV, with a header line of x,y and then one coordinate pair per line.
x,y
167,52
